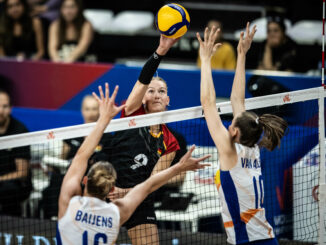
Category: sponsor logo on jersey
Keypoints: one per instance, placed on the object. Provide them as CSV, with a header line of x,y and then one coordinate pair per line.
x,y
140,160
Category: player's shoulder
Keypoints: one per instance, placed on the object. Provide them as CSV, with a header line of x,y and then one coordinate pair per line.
x,y
166,132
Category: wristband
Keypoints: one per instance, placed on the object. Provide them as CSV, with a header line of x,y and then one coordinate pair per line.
x,y
149,68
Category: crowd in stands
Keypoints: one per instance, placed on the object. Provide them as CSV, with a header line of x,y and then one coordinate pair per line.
x,y
55,29
58,31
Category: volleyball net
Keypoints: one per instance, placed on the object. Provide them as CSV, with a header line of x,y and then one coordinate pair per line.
x,y
187,209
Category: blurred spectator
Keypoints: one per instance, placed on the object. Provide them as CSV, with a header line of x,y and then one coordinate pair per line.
x,y
15,177
90,113
1,6
71,35
21,35
50,195
224,57
48,10
279,52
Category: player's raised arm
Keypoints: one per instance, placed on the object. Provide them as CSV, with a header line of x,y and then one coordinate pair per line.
x,y
129,203
207,92
135,98
239,82
71,185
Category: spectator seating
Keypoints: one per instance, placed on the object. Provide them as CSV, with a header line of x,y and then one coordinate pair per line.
x,y
100,19
307,32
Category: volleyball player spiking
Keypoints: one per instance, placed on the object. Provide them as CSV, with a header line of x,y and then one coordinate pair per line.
x,y
138,153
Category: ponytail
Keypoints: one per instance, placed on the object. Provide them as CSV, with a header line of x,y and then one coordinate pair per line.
x,y
252,127
274,129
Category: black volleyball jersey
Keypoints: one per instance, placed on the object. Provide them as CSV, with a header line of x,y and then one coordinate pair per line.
x,y
135,152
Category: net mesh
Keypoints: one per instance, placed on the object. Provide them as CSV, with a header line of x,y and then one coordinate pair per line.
x,y
186,210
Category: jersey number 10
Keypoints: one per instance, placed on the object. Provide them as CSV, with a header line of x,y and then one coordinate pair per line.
x,y
259,198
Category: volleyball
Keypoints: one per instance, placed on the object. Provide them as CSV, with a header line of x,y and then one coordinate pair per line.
x,y
172,20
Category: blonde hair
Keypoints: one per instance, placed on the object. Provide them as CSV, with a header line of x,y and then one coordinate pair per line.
x,y
101,179
160,79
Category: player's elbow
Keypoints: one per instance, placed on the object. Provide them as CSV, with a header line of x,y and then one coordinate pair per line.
x,y
128,109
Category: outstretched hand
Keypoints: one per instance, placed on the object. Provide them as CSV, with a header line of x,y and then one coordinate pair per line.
x,y
107,107
245,42
165,44
117,193
208,47
187,162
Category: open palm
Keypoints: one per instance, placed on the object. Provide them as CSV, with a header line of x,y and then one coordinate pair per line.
x,y
245,41
107,107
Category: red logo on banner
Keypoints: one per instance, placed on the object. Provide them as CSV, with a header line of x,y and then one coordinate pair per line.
x,y
132,123
286,98
50,136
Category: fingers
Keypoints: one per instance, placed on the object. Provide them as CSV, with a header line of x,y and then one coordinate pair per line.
x,y
107,92
192,148
212,35
215,34
253,31
241,36
206,34
199,38
247,29
189,152
101,92
216,46
96,97
203,158
114,95
200,166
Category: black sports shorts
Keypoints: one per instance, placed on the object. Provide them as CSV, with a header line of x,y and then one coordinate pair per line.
x,y
144,214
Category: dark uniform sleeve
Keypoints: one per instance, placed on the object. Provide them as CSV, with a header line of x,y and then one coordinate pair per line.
x,y
182,144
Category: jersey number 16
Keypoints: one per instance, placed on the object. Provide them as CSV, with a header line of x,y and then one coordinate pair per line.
x,y
97,238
